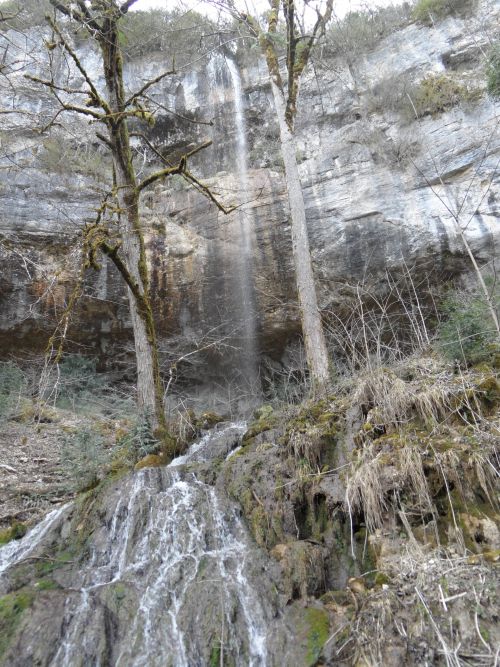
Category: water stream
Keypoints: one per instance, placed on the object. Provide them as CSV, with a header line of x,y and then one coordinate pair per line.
x,y
167,578
18,550
244,280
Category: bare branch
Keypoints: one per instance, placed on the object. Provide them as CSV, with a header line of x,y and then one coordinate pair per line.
x,y
67,107
112,253
169,171
96,98
147,85
88,19
67,11
104,140
178,115
51,84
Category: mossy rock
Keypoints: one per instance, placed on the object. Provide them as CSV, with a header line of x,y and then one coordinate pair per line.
x,y
317,623
259,426
488,556
264,412
62,558
340,598
15,532
151,461
47,584
489,389
208,419
12,607
382,579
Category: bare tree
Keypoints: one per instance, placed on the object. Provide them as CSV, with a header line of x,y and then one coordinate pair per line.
x,y
299,44
117,231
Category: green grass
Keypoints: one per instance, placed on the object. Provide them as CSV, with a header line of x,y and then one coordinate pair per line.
x,y
12,607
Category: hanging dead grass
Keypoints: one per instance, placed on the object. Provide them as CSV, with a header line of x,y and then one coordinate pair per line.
x,y
424,441
480,462
365,490
304,446
389,400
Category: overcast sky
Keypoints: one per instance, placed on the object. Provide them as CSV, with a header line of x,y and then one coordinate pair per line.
x,y
341,7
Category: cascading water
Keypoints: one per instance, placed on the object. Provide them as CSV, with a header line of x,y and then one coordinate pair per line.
x,y
167,579
19,550
244,270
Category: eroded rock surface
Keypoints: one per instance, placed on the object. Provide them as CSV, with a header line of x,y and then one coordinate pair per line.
x,y
379,188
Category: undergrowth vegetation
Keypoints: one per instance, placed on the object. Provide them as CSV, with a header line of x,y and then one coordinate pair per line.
x,y
92,418
361,31
427,447
493,71
431,96
179,35
429,11
466,333
437,93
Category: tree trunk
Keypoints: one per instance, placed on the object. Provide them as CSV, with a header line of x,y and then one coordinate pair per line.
x,y
149,388
149,385
312,327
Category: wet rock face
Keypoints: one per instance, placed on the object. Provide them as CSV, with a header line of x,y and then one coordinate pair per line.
x,y
154,569
379,189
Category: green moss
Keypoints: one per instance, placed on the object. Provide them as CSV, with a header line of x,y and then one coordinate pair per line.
x,y
426,11
338,597
45,567
489,391
120,591
264,412
436,93
15,532
319,516
263,424
12,607
208,419
47,585
381,578
151,461
318,630
214,660
259,524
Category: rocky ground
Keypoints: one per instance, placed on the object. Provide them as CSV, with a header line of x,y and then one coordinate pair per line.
x,y
31,476
375,509
381,504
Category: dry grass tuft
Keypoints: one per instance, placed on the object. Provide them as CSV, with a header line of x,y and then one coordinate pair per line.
x,y
365,490
304,446
424,443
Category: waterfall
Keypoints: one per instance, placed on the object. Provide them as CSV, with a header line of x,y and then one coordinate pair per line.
x,y
17,550
243,275
176,551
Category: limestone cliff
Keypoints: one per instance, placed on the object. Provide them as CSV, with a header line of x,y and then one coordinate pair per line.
x,y
379,187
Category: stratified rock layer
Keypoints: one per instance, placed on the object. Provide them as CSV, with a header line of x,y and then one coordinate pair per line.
x,y
380,188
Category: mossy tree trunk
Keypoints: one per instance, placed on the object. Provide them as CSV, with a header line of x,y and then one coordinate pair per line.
x,y
285,94
102,19
149,385
122,243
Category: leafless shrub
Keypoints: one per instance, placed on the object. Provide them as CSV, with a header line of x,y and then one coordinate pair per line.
x,y
390,94
382,329
360,32
400,149
286,382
